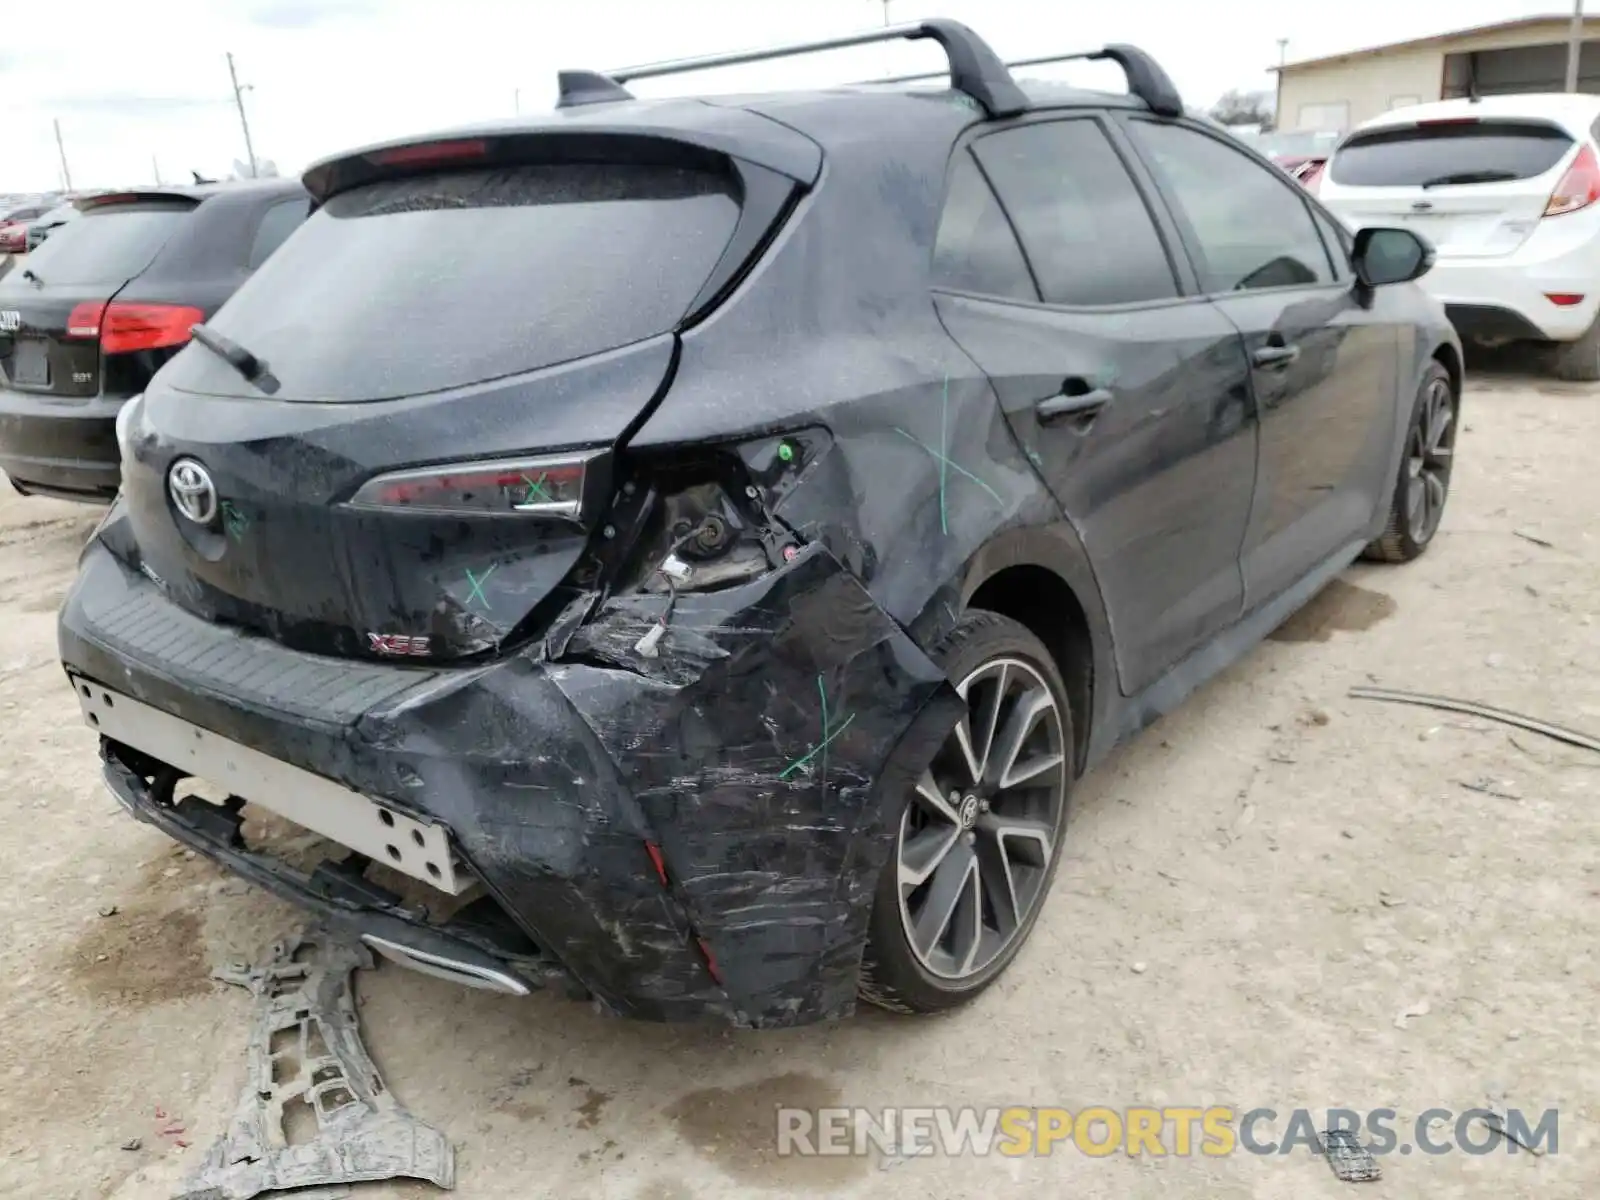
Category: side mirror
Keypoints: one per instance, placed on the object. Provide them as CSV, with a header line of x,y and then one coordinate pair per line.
x,y
1382,256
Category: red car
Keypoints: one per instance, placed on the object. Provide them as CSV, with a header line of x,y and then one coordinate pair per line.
x,y
14,228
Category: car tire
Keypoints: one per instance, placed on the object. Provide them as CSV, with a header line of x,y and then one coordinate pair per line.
x,y
1425,465
1579,361
1005,829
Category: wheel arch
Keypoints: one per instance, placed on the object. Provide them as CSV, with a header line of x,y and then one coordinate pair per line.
x,y
1449,357
1041,577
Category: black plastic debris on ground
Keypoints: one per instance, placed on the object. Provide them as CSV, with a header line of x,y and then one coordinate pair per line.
x,y
1351,1161
314,1112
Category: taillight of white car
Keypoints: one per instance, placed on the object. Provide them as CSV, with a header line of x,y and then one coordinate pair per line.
x,y
1579,187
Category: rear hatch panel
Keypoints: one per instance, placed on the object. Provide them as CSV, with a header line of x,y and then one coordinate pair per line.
x,y
457,314
289,556
1474,188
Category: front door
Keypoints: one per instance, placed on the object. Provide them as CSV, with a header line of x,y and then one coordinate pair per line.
x,y
1323,362
1130,397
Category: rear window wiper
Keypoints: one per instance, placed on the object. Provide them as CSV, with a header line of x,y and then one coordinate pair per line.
x,y
1470,177
235,355
27,273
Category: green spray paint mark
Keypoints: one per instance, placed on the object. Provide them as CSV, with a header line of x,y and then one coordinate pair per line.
x,y
476,582
944,462
953,465
785,452
234,521
536,489
829,732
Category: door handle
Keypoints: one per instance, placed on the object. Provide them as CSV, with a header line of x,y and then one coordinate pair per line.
x,y
1274,356
1081,405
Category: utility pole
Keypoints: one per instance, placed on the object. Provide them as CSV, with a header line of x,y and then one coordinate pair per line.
x,y
66,175
888,54
1283,51
516,101
1574,45
244,123
156,167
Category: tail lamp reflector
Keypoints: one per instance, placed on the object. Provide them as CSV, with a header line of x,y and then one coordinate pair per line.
x,y
549,486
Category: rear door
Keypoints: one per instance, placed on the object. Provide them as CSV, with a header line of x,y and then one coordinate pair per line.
x,y
51,307
449,357
1474,187
1323,363
1130,395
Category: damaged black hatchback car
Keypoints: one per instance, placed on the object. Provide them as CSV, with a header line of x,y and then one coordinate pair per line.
x,y
685,551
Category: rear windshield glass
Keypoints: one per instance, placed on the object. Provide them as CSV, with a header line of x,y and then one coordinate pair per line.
x,y
1420,155
435,282
107,246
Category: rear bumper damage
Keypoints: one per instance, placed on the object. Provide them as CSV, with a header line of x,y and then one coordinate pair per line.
x,y
689,836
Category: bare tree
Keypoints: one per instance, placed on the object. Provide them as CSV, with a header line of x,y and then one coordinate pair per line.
x,y
1243,108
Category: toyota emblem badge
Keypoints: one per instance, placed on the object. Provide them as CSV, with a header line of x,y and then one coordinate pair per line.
x,y
192,491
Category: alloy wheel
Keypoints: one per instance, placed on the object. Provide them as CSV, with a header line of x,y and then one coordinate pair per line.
x,y
984,823
1429,452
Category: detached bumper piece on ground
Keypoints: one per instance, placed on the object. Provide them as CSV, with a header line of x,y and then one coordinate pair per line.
x,y
772,507
314,1111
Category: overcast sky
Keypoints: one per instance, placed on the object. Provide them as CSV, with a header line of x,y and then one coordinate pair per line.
x,y
134,80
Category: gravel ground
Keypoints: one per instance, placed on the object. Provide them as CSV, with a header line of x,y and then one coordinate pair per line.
x,y
1255,891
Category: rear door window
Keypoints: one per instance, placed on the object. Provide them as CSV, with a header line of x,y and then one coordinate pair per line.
x,y
277,223
108,245
1471,151
440,281
1082,221
976,250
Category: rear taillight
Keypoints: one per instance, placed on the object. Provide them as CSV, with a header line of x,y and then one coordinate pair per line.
x,y
1579,187
84,320
549,486
123,327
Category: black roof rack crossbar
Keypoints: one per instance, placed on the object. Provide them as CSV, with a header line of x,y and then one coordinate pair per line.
x,y
974,68
1146,79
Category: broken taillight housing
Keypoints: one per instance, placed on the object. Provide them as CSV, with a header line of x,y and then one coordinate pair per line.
x,y
1579,187
551,486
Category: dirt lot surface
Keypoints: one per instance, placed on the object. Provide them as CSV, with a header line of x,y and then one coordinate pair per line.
x,y
1256,890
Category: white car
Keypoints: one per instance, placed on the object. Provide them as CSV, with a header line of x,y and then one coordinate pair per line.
x,y
1505,188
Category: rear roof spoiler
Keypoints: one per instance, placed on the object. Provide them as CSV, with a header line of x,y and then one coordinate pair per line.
x,y
974,68
1146,80
135,196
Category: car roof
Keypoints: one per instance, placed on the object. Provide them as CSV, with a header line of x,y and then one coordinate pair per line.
x,y
1573,111
748,127
788,132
